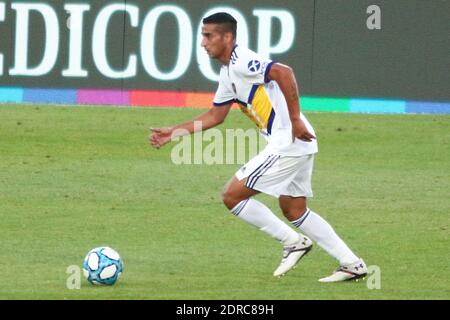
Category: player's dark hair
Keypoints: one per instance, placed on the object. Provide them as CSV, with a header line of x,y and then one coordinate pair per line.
x,y
225,21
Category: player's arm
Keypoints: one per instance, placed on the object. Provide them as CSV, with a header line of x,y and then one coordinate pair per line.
x,y
285,78
207,120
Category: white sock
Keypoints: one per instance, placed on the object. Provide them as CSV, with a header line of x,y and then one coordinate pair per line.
x,y
257,214
315,227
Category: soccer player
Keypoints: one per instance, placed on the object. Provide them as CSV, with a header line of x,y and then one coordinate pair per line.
x,y
267,93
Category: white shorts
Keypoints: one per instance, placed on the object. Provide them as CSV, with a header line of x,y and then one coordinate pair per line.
x,y
278,175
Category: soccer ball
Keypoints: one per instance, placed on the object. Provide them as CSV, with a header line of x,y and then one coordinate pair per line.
x,y
102,266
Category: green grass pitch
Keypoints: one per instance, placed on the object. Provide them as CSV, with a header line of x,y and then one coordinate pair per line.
x,y
73,178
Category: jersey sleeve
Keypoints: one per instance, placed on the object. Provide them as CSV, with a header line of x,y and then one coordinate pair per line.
x,y
224,94
254,68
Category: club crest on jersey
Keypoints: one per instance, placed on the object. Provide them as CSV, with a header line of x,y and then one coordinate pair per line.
x,y
254,66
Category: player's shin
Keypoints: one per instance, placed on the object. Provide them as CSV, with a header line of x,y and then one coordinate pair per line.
x,y
257,214
319,230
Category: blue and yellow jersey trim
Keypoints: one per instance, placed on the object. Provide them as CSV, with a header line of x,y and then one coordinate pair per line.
x,y
259,108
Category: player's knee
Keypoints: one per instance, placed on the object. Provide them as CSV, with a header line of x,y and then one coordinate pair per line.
x,y
302,210
285,210
293,210
229,199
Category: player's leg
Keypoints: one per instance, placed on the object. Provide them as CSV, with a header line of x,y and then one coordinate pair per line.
x,y
317,228
294,207
236,191
320,231
237,198
270,173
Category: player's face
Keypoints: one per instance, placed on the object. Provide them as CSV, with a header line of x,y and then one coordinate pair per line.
x,y
213,41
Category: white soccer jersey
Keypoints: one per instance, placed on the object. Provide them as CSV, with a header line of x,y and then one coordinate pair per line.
x,y
245,81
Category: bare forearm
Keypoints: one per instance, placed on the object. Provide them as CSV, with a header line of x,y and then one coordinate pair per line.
x,y
161,136
289,87
285,78
203,122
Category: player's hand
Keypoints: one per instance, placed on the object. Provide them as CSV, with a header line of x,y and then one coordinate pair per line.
x,y
300,131
159,137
